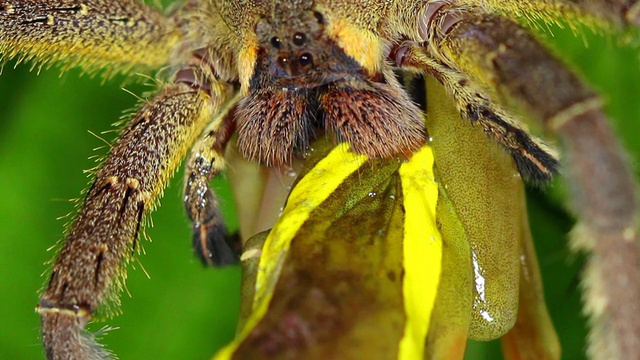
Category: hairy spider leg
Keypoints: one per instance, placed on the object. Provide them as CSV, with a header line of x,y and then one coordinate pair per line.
x,y
89,270
115,35
536,161
607,13
211,242
495,50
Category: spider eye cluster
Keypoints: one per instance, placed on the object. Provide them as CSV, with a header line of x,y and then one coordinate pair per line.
x,y
288,59
293,46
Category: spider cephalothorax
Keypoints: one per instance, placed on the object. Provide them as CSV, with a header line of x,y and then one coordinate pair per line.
x,y
281,74
304,81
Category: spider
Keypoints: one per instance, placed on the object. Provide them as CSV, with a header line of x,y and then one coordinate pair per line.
x,y
279,75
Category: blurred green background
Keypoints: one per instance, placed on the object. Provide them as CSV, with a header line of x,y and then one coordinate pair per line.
x,y
184,310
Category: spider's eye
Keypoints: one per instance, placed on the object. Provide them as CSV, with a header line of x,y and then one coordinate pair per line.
x,y
319,17
275,42
283,61
305,59
299,39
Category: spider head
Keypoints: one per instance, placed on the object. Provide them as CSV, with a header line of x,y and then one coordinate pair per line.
x,y
308,77
296,52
